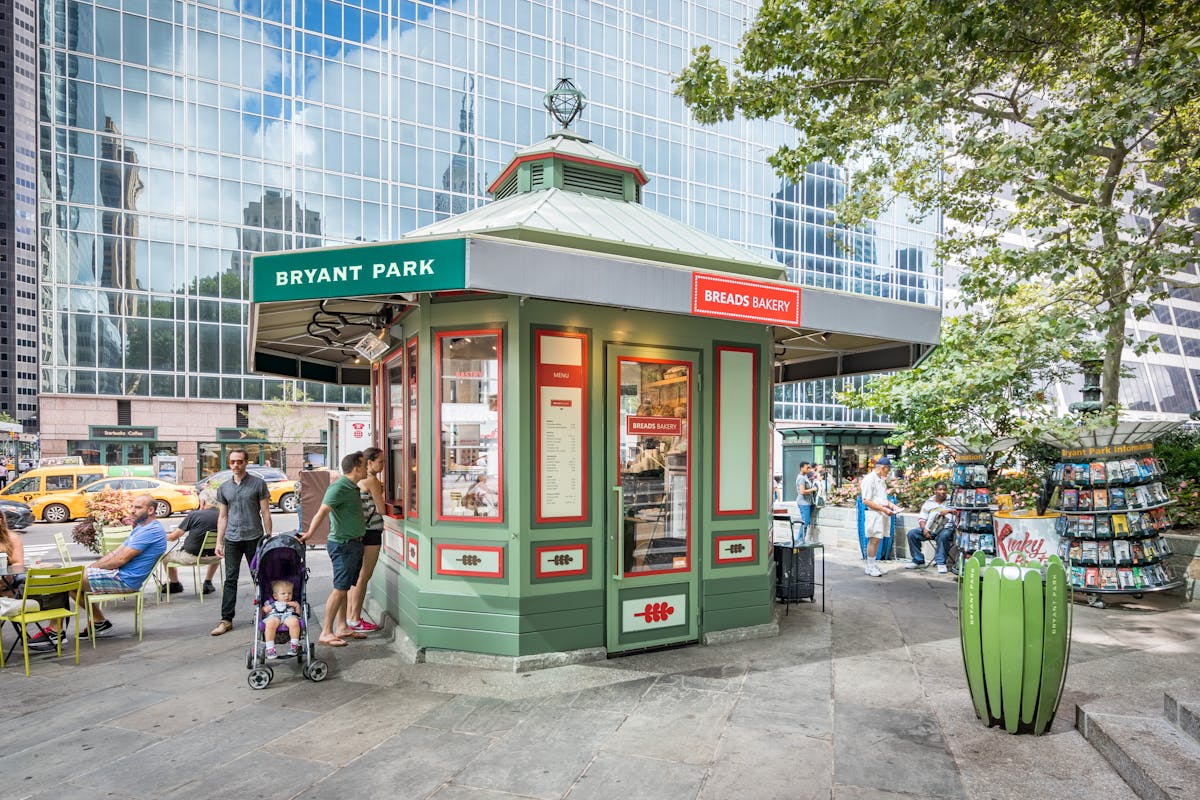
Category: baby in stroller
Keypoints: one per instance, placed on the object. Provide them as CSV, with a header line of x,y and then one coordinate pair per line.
x,y
281,609
280,577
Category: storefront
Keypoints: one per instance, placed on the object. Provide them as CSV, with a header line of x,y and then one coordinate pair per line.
x,y
212,456
574,394
127,449
846,452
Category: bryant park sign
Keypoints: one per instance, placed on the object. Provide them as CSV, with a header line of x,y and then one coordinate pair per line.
x,y
360,270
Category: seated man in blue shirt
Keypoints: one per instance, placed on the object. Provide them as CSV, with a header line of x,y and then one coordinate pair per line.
x,y
124,569
931,528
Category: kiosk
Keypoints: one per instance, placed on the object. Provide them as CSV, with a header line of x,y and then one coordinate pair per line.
x,y
575,395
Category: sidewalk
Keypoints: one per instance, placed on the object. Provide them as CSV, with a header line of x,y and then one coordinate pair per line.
x,y
866,701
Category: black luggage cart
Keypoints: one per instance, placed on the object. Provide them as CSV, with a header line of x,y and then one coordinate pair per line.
x,y
795,573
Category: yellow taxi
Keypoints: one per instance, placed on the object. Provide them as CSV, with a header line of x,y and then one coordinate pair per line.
x,y
281,487
64,506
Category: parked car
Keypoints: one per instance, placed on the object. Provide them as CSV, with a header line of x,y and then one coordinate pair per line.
x,y
46,481
281,487
17,515
64,506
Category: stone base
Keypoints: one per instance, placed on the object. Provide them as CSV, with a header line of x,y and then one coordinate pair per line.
x,y
764,631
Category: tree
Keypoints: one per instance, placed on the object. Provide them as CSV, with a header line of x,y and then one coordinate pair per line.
x,y
988,379
1073,126
284,421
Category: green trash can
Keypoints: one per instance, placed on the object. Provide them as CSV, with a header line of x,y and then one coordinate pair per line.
x,y
1015,630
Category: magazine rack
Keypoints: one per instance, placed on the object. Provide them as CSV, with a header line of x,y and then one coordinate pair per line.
x,y
970,494
1113,517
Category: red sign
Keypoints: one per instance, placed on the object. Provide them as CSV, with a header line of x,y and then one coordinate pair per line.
x,y
560,375
358,429
1026,541
654,426
751,301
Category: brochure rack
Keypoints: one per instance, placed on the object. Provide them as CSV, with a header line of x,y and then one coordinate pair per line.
x,y
1113,515
972,497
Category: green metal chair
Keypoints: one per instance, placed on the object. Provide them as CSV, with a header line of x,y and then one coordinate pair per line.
x,y
207,546
41,582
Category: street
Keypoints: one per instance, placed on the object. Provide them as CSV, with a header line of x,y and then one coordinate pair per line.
x,y
38,538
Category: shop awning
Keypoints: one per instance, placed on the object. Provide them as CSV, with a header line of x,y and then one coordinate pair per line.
x,y
311,306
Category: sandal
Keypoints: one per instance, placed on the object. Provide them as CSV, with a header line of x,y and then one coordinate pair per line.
x,y
351,634
334,642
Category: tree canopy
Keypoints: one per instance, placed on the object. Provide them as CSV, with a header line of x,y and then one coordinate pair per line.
x,y
989,379
1062,140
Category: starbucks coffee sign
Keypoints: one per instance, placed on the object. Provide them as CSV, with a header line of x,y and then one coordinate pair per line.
x,y
360,270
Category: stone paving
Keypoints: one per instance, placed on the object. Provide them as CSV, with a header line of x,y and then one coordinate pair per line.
x,y
865,701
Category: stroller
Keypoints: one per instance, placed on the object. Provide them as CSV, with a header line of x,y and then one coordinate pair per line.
x,y
281,558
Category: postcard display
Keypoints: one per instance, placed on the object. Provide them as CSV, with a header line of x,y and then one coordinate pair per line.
x,y
970,494
1113,515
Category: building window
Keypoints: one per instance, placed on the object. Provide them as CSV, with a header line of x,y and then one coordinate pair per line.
x,y
468,408
124,413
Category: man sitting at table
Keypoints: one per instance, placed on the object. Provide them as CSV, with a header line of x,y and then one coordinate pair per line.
x,y
123,570
195,525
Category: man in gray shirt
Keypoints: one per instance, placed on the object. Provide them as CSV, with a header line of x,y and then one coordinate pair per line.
x,y
244,518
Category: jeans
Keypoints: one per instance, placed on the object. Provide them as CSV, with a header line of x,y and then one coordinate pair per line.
x,y
916,536
234,552
805,510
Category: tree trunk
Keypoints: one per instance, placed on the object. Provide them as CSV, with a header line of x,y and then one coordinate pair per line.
x,y
1110,373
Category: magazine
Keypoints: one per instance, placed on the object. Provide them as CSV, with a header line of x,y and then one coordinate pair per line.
x,y
1077,577
1092,578
1125,577
1104,552
1098,473
1087,525
1090,552
1120,524
1116,498
1103,527
987,541
1108,578
1100,499
1076,550
1070,499
1121,551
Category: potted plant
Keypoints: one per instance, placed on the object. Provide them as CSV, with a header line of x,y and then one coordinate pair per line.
x,y
108,511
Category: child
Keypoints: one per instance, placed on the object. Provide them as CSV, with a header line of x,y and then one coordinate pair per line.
x,y
281,609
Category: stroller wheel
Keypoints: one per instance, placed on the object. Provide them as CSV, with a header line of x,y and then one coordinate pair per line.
x,y
259,678
317,671
250,658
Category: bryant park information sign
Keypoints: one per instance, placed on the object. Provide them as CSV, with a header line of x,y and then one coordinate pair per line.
x,y
360,270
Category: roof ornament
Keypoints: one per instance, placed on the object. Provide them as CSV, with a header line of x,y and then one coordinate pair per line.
x,y
564,102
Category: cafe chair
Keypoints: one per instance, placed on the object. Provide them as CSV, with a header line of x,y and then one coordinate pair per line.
x,y
41,582
207,546
64,554
138,597
114,537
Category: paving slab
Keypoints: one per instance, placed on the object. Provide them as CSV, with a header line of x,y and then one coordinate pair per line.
x,y
636,778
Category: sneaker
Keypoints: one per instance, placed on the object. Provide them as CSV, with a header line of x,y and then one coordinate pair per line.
x,y
293,649
271,654
873,571
209,588
363,626
915,565
942,569
174,587
44,640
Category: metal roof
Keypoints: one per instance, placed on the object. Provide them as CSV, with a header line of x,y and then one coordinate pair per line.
x,y
600,224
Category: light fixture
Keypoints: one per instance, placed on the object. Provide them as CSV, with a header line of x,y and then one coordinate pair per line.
x,y
372,346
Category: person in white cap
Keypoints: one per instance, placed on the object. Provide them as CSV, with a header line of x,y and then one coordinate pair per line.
x,y
879,513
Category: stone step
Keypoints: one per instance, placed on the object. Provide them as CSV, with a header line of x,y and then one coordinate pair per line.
x,y
1183,711
1156,759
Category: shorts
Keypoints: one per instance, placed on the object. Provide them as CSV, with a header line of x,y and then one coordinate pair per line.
x,y
108,581
878,526
283,618
183,558
373,538
347,562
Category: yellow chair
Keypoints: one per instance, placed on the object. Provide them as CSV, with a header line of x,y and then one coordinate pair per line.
x,y
98,598
40,582
64,552
207,546
113,537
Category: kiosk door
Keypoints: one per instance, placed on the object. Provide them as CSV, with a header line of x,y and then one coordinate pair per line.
x,y
652,511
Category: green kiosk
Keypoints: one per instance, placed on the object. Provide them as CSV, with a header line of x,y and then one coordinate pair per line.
x,y
575,395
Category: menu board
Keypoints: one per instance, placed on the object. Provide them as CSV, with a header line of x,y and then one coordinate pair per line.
x,y
561,426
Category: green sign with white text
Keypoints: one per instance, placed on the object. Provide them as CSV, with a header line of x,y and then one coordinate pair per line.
x,y
360,270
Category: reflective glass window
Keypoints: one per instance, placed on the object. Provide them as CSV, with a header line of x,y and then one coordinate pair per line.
x,y
468,409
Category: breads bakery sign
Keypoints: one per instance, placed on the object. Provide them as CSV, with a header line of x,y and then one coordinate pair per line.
x,y
745,300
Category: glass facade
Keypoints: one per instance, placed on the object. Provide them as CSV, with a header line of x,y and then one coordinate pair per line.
x,y
177,139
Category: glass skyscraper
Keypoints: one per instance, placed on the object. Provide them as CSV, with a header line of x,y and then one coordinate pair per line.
x,y
176,138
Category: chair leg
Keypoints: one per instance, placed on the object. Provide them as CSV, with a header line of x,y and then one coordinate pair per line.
x,y
25,646
91,625
138,615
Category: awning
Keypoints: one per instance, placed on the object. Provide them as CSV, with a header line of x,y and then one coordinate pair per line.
x,y
311,306
862,435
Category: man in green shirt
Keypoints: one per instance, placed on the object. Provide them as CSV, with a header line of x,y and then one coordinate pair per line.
x,y
343,506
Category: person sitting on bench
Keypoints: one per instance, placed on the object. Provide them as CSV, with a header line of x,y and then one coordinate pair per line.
x,y
935,523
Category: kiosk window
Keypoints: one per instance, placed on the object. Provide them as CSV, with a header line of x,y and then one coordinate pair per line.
x,y
412,428
397,401
469,485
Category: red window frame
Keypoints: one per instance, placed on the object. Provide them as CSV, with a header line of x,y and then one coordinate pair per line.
x,y
439,337
754,454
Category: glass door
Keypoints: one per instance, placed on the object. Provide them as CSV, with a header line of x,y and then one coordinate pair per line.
x,y
652,511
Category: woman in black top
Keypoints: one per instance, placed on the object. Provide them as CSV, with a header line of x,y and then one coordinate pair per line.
x,y
371,491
